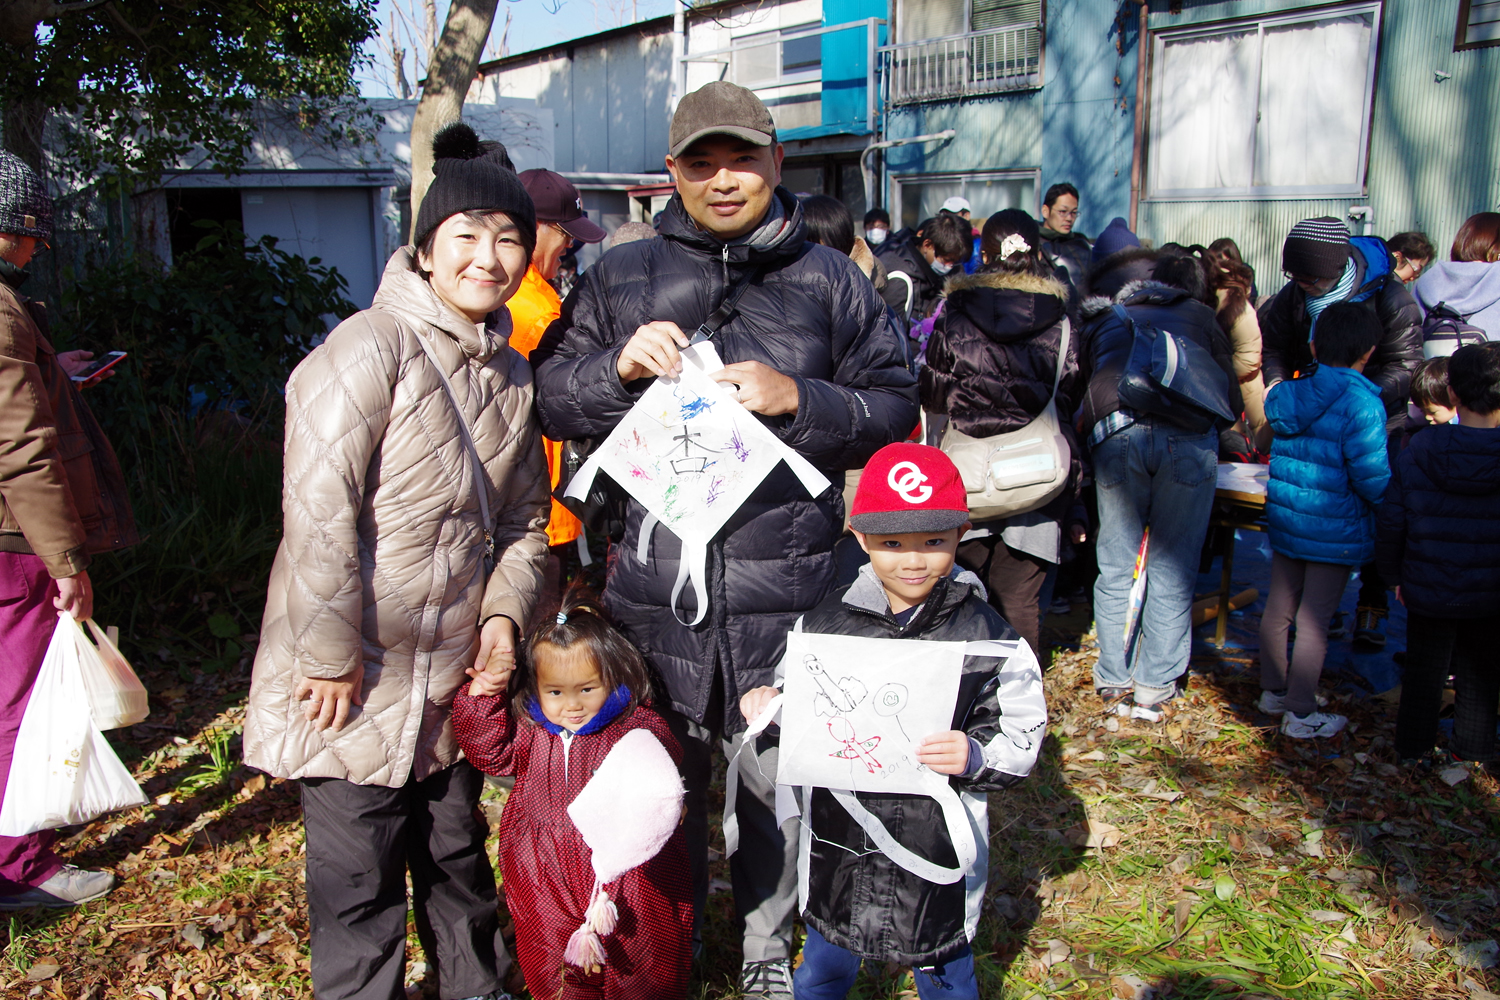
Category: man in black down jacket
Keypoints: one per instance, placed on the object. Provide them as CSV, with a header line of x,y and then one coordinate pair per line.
x,y
1325,264
812,350
941,244
1148,473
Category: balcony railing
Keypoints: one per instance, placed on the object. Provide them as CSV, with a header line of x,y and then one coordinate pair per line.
x,y
980,62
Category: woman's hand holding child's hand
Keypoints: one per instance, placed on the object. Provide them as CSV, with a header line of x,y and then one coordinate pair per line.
x,y
754,702
945,753
496,660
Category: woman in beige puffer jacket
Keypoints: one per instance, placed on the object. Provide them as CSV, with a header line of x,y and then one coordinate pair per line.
x,y
379,602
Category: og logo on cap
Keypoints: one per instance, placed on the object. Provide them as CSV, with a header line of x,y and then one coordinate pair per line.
x,y
909,487
906,479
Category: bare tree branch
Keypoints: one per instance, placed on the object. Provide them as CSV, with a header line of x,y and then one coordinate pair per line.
x,y
455,59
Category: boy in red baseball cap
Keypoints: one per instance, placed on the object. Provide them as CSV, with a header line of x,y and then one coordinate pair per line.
x,y
909,512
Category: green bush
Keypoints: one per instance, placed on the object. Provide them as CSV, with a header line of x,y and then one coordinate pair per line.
x,y
195,415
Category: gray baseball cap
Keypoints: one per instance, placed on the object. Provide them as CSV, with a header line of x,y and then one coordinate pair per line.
x,y
721,108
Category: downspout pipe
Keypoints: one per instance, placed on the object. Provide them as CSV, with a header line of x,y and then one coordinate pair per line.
x,y
1137,167
679,49
864,157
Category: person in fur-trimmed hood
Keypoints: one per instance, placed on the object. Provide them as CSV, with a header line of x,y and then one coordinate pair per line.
x,y
990,368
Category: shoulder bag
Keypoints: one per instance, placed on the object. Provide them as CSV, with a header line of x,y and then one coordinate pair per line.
x,y
1018,471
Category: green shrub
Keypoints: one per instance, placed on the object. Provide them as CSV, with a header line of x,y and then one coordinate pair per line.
x,y
195,415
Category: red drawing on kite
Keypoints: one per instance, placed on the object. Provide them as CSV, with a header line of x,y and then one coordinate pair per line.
x,y
842,730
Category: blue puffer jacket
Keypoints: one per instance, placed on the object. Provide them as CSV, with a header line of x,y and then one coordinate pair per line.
x,y
1440,523
1328,466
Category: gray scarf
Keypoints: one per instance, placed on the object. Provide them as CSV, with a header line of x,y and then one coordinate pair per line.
x,y
769,228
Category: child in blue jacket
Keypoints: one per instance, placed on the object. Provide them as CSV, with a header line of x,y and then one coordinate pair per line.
x,y
1328,471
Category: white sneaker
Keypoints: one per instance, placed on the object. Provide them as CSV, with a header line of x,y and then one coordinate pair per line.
x,y
1272,703
769,980
1313,725
68,886
1152,713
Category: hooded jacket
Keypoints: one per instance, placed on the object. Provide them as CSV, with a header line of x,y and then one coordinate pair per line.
x,y
1106,341
812,315
382,559
1470,288
548,867
1073,253
1439,528
927,284
858,898
993,353
1328,466
62,494
1285,328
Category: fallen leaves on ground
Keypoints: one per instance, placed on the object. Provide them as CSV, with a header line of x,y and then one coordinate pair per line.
x,y
1209,857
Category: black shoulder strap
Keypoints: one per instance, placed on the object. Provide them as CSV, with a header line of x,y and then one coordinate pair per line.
x,y
725,312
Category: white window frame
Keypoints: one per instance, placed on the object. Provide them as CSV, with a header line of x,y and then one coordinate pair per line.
x,y
779,37
1033,174
1267,192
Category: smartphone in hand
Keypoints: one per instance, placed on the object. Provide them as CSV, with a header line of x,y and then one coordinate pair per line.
x,y
99,366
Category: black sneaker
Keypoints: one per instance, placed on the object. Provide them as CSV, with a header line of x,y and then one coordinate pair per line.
x,y
1367,635
1337,627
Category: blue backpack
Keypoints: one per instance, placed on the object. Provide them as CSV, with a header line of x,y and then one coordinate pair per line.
x,y
1173,377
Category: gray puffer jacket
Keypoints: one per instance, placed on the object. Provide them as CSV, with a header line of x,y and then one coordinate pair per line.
x,y
382,560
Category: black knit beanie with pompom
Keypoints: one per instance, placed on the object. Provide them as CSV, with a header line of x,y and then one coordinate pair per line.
x,y
472,176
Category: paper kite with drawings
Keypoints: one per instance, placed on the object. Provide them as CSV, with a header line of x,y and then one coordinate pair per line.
x,y
856,708
691,454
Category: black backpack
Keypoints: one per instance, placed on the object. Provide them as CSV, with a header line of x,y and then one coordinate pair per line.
x,y
1171,376
1445,330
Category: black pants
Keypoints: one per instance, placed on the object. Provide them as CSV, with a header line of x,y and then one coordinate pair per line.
x,y
1015,581
1436,647
361,842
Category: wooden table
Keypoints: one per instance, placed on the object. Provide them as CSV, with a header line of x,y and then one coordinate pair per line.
x,y
1239,504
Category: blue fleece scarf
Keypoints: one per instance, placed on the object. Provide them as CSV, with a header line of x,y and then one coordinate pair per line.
x,y
1338,293
608,712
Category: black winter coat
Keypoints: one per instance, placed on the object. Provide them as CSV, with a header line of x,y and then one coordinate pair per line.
x,y
857,897
1107,342
993,353
1073,252
810,314
1438,531
927,284
1285,325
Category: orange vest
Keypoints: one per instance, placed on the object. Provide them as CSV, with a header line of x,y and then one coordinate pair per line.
x,y
532,309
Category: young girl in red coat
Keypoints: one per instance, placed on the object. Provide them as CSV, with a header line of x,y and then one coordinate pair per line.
x,y
595,871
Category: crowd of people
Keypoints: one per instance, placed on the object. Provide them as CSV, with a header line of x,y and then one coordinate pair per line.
x,y
1011,413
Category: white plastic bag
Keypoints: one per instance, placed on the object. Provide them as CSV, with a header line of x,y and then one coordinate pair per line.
x,y
116,695
63,771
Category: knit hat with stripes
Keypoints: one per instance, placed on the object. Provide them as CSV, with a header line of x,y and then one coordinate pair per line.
x,y
1316,248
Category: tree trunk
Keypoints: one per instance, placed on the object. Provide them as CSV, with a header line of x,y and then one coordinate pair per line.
x,y
451,70
23,122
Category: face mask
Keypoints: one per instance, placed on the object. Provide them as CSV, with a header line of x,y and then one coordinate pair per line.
x,y
940,267
875,237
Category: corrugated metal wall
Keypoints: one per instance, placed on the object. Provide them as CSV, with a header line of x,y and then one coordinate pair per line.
x,y
1257,226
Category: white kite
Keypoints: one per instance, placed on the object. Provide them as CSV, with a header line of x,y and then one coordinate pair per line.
x,y
691,454
855,710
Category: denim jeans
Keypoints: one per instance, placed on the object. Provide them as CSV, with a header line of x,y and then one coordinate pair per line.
x,y
1151,474
828,971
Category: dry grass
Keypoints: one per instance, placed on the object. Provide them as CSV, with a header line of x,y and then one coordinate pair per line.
x,y
1208,857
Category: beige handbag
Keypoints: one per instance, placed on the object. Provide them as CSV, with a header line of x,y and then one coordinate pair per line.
x,y
1018,471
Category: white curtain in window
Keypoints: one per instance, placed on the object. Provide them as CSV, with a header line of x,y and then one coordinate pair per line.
x,y
1313,83
1203,128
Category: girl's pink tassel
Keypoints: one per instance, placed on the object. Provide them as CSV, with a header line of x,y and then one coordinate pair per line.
x,y
584,949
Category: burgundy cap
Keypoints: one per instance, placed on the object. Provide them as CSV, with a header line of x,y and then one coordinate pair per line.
x,y
909,487
557,200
